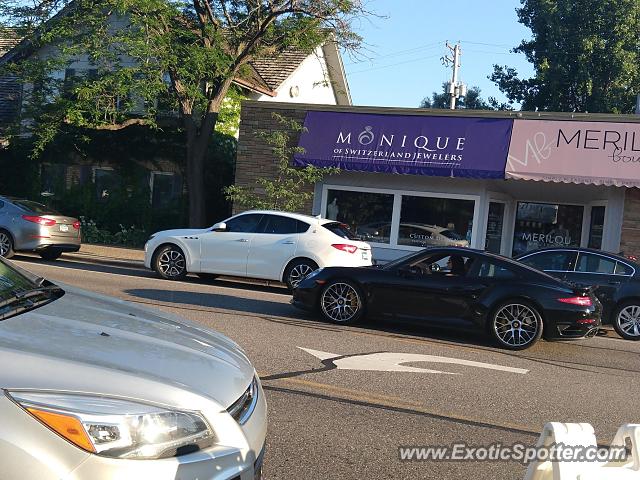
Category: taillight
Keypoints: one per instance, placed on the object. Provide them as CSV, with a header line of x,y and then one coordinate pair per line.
x,y
586,321
345,247
76,225
47,222
581,301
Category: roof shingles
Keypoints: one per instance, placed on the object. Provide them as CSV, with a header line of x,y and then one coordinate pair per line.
x,y
9,85
275,70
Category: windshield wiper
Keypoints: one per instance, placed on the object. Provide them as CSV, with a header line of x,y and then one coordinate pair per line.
x,y
18,296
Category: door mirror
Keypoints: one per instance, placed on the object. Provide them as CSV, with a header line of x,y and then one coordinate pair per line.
x,y
219,227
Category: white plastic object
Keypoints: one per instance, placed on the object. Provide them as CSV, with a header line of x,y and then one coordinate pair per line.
x,y
582,434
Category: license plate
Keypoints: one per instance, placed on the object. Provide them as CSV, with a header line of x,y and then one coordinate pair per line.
x,y
365,255
64,228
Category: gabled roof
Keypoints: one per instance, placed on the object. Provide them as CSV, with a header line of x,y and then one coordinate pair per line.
x,y
275,70
8,40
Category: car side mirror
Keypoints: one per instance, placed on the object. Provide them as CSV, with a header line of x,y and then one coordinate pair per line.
x,y
219,227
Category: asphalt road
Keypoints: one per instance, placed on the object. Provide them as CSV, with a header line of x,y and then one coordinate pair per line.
x,y
345,418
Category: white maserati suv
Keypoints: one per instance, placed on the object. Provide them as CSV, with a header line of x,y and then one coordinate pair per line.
x,y
257,244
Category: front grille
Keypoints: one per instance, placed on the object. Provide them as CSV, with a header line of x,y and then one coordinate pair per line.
x,y
242,408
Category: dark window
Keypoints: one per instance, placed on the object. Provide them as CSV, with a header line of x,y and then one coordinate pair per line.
x,y
596,228
494,270
589,263
495,221
429,221
623,269
302,226
275,224
540,225
244,223
341,230
167,189
1,204
367,214
550,261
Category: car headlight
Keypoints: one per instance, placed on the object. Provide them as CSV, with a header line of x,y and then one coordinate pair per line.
x,y
118,428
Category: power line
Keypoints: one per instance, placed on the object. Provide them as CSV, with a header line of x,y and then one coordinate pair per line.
x,y
399,52
394,64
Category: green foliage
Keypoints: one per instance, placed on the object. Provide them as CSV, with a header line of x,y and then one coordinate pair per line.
x,y
289,191
472,101
125,236
586,55
148,54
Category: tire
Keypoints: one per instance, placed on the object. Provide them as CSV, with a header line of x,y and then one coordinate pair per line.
x,y
516,324
207,276
50,254
341,301
297,270
6,244
626,320
170,262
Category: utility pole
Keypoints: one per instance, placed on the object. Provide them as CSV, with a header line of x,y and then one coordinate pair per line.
x,y
456,89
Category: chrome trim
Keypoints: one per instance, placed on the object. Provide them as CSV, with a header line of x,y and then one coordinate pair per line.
x,y
242,409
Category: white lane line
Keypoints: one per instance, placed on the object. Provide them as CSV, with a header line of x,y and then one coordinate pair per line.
x,y
393,362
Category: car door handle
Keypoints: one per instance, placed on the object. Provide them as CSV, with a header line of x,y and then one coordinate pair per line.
x,y
614,283
243,240
288,242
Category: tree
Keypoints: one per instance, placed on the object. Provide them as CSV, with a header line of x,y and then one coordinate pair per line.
x,y
184,52
290,189
472,101
586,56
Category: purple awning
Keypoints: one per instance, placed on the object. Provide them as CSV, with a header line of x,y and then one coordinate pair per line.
x,y
406,144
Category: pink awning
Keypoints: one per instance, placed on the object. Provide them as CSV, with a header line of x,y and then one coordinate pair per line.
x,y
598,153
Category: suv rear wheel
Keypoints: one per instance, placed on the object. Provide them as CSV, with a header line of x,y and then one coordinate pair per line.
x,y
297,271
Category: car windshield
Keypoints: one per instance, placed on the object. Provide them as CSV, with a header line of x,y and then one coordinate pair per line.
x,y
342,230
35,207
398,261
20,291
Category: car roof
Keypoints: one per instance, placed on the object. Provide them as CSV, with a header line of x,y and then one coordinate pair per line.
x,y
297,216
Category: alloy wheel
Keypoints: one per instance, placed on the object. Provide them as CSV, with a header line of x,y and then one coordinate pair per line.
x,y
629,320
5,244
516,325
171,263
340,302
299,273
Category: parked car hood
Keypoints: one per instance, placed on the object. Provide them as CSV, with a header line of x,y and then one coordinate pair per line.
x,y
96,344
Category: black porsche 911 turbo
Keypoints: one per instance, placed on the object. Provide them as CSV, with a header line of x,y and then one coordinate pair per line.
x,y
456,287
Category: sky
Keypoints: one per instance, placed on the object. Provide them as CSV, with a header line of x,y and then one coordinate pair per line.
x,y
400,60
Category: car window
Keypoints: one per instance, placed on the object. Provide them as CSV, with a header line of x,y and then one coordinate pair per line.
x,y
590,263
623,269
341,230
35,207
558,261
493,270
277,224
302,226
12,281
244,223
447,265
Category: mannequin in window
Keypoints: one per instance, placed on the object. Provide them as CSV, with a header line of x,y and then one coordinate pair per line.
x,y
333,210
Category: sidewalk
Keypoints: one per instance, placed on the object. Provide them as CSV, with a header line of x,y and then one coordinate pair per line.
x,y
108,255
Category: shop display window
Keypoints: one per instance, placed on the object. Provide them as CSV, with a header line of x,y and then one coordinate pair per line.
x,y
540,225
430,221
367,214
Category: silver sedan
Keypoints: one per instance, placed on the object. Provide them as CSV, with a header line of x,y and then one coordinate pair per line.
x,y
31,226
96,388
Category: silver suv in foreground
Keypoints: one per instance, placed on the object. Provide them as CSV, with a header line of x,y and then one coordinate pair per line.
x,y
96,388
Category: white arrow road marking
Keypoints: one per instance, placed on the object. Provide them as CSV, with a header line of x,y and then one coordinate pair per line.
x,y
392,362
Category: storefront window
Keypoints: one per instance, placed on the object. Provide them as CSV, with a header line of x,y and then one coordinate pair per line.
x,y
427,221
596,227
367,214
495,222
540,225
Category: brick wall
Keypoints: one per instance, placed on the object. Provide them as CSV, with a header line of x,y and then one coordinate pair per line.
x,y
255,157
630,237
